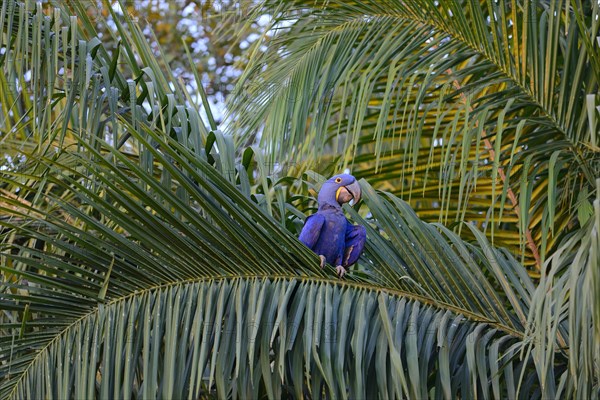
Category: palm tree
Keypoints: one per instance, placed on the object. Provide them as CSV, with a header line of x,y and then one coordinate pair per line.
x,y
145,254
470,111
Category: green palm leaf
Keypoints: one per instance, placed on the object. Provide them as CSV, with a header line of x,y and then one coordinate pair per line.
x,y
455,106
173,297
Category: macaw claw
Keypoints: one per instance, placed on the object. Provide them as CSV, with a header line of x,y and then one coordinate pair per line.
x,y
341,271
322,257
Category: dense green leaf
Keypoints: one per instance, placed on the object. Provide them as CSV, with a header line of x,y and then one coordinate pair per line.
x,y
453,105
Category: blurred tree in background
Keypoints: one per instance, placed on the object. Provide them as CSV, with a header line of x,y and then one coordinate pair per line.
x,y
217,35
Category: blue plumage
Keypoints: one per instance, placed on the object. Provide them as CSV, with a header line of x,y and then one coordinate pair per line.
x,y
328,233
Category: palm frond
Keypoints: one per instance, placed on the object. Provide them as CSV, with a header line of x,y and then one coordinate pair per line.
x,y
156,290
454,106
564,316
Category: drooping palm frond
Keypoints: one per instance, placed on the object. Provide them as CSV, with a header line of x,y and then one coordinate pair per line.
x,y
171,296
477,111
564,316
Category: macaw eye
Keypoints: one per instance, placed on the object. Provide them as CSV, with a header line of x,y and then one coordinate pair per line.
x,y
338,180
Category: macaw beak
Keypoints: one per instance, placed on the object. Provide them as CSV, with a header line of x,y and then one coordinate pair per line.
x,y
347,193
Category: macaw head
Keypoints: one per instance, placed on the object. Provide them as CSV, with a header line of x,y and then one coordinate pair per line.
x,y
338,190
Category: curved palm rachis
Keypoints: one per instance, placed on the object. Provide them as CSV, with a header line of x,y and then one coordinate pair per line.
x,y
328,233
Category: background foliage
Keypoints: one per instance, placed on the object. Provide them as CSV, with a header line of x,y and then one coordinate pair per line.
x,y
472,111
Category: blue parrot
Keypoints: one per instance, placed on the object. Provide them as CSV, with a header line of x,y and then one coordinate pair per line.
x,y
327,232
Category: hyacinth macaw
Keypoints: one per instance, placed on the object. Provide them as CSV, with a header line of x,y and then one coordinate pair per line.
x,y
327,232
